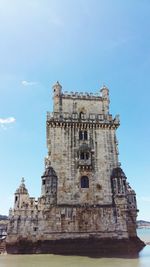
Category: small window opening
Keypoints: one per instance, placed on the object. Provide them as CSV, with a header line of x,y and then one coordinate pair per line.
x,y
85,135
81,115
87,155
82,155
16,198
84,182
43,182
80,135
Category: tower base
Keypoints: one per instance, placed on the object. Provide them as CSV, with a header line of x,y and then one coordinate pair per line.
x,y
91,247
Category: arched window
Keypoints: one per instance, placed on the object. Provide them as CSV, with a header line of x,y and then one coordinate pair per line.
x,y
84,182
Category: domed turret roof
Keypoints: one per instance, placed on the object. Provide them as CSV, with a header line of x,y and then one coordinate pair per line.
x,y
22,188
130,191
57,84
49,171
118,173
104,87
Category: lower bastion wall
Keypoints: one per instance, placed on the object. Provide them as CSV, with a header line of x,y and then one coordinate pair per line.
x,y
65,222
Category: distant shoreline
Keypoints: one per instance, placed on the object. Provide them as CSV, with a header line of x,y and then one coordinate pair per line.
x,y
143,227
143,224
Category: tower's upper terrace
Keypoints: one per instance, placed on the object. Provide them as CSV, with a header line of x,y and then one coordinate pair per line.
x,y
82,107
81,103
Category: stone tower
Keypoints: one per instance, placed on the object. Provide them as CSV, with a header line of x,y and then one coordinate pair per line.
x,y
82,147
84,192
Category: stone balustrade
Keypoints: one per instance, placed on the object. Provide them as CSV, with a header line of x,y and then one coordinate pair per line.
x,y
65,116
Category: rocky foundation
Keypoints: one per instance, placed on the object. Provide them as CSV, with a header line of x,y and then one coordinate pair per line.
x,y
91,247
2,246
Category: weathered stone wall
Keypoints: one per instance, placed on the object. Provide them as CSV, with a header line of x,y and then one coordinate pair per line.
x,y
64,146
87,105
67,222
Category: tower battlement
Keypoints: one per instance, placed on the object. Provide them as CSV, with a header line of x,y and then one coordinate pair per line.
x,y
82,95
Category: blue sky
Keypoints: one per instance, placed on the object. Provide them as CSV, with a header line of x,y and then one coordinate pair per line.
x,y
83,44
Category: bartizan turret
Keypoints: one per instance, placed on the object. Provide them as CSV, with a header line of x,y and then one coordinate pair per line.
x,y
21,195
105,99
57,96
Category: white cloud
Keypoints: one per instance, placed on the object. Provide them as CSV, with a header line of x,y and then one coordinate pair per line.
x,y
28,83
5,122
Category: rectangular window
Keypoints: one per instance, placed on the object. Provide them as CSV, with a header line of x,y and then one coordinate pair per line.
x,y
80,135
100,117
82,155
83,135
92,116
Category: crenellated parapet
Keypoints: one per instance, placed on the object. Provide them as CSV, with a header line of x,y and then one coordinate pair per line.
x,y
82,102
82,95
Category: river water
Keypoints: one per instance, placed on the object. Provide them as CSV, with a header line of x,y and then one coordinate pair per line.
x,y
75,261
